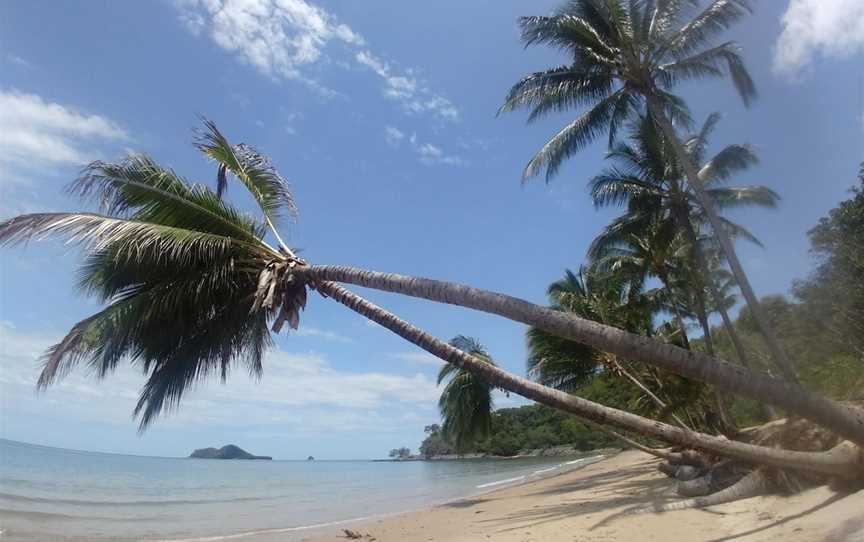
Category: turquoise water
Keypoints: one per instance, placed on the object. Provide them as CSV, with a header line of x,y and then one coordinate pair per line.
x,y
56,494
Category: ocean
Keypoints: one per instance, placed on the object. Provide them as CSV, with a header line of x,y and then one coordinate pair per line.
x,y
57,494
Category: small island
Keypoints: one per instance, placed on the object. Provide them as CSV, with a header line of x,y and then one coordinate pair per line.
x,y
229,451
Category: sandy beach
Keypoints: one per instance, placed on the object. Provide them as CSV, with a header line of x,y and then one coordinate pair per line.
x,y
592,504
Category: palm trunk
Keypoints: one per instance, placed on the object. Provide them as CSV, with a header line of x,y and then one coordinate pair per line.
x,y
826,463
679,320
766,410
844,420
662,454
727,424
657,401
777,353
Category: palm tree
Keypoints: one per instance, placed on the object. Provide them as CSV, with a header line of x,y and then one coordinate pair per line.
x,y
627,56
193,288
841,460
639,253
844,420
645,177
466,402
599,296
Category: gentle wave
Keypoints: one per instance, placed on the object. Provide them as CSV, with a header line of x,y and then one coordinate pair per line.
x,y
53,516
499,482
82,502
538,473
247,534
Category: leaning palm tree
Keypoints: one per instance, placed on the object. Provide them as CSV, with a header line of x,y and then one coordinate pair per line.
x,y
193,288
626,56
466,403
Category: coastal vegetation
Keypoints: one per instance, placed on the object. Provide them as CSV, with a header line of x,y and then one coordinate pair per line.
x,y
194,288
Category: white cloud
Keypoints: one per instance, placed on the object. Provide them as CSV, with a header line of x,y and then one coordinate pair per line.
x,y
420,357
393,136
35,133
831,28
280,38
307,331
427,153
277,37
405,88
300,390
18,61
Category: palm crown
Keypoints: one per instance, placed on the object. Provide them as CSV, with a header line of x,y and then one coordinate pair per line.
x,y
188,279
620,53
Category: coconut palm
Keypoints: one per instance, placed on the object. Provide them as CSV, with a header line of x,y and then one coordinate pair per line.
x,y
193,289
600,296
644,176
639,253
625,57
466,402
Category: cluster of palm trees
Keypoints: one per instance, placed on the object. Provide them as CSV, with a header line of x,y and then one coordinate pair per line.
x,y
661,236
194,288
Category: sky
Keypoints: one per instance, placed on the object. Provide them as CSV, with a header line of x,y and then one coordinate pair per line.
x,y
383,117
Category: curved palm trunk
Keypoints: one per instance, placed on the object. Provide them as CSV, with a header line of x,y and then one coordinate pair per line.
x,y
844,420
825,463
662,454
778,354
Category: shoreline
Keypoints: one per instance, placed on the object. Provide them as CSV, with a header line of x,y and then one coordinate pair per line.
x,y
317,529
592,502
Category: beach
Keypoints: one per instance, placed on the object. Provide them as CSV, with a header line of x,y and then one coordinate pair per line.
x,y
592,504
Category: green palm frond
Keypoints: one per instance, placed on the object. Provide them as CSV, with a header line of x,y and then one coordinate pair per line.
x,y
717,17
253,169
138,188
738,196
141,242
559,363
466,402
731,160
191,287
623,54
613,187
573,137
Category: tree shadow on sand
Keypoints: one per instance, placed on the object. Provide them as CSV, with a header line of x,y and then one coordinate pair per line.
x,y
623,491
611,490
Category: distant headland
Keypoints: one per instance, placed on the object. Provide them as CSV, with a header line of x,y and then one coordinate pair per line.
x,y
229,451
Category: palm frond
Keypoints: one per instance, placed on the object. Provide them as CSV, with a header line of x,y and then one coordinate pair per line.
x,y
137,187
130,239
573,137
466,402
559,363
614,187
253,169
739,196
716,18
731,160
557,90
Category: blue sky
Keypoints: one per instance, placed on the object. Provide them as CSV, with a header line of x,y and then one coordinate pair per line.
x,y
382,115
